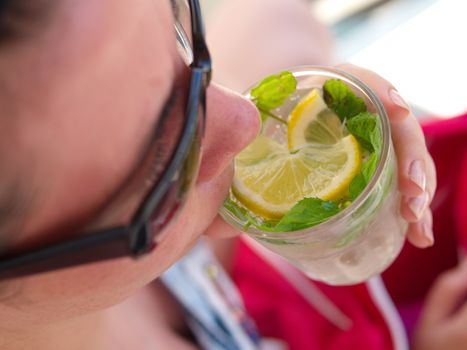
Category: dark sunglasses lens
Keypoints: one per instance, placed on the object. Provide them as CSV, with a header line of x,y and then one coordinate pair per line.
x,y
172,201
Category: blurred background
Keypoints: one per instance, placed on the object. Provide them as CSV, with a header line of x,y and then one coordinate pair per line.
x,y
418,45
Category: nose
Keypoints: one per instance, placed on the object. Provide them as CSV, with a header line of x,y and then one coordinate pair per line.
x,y
232,122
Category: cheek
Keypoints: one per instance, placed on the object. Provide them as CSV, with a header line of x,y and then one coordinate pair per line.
x,y
69,293
106,70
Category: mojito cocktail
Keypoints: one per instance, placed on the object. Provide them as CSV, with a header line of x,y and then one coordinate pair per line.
x,y
318,185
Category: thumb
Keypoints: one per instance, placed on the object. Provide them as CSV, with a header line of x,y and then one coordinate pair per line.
x,y
445,295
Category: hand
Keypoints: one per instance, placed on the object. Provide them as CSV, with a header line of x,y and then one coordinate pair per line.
x,y
443,323
417,175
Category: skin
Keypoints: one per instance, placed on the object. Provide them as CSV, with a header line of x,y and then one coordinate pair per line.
x,y
62,89
75,149
444,318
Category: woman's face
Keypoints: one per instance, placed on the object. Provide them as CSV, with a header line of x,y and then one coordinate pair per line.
x,y
82,85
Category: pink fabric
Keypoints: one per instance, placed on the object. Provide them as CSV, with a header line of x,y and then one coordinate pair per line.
x,y
461,205
281,312
447,142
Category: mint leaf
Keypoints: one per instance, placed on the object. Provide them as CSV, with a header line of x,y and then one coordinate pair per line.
x,y
245,216
231,206
357,186
366,128
342,100
369,167
240,213
308,212
263,115
361,180
272,91
376,137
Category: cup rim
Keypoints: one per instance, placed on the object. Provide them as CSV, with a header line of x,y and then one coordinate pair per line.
x,y
333,73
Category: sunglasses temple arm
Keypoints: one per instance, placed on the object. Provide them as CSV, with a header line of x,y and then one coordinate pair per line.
x,y
105,245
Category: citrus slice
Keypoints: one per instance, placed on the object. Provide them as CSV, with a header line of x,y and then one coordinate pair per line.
x,y
311,121
269,179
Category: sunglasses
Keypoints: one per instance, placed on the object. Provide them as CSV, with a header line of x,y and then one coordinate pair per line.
x,y
164,199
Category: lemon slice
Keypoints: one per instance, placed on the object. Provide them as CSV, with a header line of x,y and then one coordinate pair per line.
x,y
311,121
269,179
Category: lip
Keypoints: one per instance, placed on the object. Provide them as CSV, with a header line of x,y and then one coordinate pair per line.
x,y
207,175
220,184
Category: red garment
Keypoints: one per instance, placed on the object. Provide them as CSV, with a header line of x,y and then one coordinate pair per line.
x,y
281,312
447,142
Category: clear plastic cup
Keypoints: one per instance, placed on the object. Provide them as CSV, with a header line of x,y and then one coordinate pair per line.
x,y
364,238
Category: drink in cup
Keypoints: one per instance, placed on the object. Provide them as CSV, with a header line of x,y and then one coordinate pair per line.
x,y
318,186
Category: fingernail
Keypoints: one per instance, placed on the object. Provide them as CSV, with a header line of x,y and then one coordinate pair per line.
x,y
417,174
398,100
427,231
418,205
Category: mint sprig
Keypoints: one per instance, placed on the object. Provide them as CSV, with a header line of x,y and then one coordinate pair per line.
x,y
366,127
271,93
245,216
362,179
241,213
342,100
306,213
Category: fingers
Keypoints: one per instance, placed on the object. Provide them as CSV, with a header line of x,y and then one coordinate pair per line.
x,y
431,177
416,171
412,155
417,180
459,319
444,318
417,175
407,135
445,295
420,233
